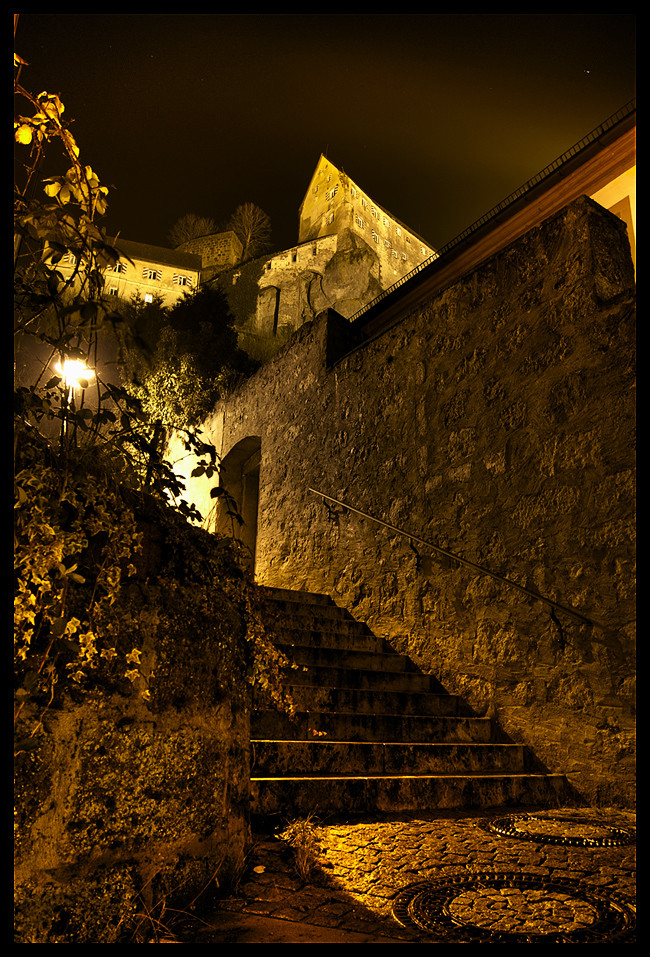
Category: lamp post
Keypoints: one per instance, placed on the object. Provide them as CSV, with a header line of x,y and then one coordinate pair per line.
x,y
75,375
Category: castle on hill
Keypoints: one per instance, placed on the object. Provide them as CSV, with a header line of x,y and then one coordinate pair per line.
x,y
349,250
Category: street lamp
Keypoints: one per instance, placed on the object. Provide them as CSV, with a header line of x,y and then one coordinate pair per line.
x,y
74,373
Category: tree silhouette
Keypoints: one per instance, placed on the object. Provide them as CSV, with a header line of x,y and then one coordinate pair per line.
x,y
252,226
191,226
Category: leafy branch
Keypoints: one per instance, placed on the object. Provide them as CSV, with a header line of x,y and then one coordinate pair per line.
x,y
88,452
82,445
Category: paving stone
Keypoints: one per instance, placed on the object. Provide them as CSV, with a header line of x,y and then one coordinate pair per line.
x,y
372,862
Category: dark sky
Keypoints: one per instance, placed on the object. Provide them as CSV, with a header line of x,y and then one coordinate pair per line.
x,y
438,117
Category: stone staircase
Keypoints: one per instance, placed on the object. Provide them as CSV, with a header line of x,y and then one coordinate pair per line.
x,y
372,734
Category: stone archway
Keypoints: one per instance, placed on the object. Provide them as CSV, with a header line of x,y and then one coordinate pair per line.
x,y
239,476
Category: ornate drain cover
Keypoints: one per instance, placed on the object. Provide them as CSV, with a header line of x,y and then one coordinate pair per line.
x,y
514,908
560,830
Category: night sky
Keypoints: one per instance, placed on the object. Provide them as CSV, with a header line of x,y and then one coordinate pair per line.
x,y
438,117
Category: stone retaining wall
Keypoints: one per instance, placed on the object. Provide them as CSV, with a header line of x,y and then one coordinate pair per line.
x,y
127,807
496,421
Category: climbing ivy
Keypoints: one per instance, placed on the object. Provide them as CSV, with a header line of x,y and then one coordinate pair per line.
x,y
87,455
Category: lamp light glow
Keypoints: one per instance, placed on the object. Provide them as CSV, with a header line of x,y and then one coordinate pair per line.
x,y
75,373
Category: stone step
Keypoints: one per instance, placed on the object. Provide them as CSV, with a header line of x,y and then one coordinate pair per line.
x,y
342,635
363,795
303,606
371,732
293,597
356,726
319,758
366,701
348,659
363,679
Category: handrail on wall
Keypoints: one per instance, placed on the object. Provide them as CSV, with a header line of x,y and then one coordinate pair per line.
x,y
457,558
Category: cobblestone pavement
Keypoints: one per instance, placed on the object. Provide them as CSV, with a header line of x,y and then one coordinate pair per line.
x,y
562,876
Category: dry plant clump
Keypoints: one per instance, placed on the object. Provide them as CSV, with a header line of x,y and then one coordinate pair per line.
x,y
303,836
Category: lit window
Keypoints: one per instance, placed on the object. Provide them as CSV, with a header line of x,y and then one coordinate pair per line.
x,y
150,272
148,297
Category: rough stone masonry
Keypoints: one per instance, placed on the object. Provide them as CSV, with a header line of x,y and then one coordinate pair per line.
x,y
496,420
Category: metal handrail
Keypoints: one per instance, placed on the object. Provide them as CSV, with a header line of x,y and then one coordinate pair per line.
x,y
462,561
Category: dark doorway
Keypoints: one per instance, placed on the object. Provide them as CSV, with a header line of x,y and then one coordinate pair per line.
x,y
240,477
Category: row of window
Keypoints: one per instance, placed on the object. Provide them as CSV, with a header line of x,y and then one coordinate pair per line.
x,y
362,225
151,273
374,212
271,263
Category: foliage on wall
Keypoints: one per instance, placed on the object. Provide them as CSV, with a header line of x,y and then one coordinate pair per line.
x,y
180,360
86,450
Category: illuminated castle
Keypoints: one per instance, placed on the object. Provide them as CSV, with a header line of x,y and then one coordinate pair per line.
x,y
349,250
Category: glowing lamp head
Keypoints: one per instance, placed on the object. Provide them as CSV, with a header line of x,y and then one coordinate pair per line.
x,y
74,373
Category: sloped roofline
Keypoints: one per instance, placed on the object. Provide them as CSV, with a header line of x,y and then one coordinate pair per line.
x,y
155,254
341,171
618,128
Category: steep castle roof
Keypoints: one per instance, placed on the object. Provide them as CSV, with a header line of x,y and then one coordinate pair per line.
x,y
386,212
158,254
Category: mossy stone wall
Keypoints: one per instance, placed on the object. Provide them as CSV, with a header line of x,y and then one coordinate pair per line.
x,y
132,804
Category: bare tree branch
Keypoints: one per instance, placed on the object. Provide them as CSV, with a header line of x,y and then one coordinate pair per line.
x,y
191,226
253,227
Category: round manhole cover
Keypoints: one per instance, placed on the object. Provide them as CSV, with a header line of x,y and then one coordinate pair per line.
x,y
515,908
560,830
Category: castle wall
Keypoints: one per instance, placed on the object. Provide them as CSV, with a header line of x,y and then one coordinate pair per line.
x,y
217,251
274,296
495,421
334,203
